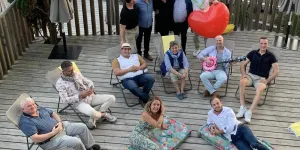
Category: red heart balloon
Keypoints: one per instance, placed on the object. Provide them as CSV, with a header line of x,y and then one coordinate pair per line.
x,y
211,23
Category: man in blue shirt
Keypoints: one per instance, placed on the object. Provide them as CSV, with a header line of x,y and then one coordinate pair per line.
x,y
46,129
145,11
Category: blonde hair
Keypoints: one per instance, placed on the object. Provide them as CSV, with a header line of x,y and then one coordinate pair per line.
x,y
24,101
149,103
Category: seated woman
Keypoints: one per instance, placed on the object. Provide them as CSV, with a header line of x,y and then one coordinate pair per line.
x,y
176,66
154,132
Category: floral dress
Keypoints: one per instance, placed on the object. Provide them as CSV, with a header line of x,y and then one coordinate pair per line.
x,y
142,137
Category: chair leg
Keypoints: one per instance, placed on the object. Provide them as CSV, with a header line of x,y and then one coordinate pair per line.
x,y
191,86
236,92
155,63
129,105
198,88
267,90
58,104
165,89
111,74
226,88
29,146
76,113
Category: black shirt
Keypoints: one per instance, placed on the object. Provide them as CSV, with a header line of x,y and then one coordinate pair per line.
x,y
261,64
129,17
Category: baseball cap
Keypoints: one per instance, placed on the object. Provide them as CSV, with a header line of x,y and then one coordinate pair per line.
x,y
126,45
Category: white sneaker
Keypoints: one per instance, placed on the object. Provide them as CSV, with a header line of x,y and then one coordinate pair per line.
x,y
196,52
241,112
248,115
110,118
91,124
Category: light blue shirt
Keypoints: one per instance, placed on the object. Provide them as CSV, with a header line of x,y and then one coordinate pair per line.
x,y
180,12
212,51
145,11
168,63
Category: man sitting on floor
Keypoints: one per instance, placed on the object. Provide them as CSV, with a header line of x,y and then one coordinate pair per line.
x,y
222,120
261,61
75,89
131,70
221,71
47,129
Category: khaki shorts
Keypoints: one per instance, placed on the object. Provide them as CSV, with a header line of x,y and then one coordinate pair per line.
x,y
254,80
175,77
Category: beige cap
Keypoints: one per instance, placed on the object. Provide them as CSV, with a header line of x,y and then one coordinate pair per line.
x,y
126,45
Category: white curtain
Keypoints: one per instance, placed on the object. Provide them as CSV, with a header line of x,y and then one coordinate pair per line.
x,y
61,11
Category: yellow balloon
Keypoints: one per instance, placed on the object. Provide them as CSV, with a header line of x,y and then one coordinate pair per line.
x,y
229,28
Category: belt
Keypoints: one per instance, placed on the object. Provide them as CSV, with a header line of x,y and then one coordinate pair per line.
x,y
236,126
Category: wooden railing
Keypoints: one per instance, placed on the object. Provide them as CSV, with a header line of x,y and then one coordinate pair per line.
x,y
260,14
244,14
15,37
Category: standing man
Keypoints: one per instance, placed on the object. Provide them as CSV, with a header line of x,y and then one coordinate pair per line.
x,y
129,23
145,11
164,16
261,61
182,10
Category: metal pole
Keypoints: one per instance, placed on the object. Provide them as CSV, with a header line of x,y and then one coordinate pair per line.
x,y
288,30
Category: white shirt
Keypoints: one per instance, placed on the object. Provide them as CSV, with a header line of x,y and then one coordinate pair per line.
x,y
225,121
179,12
126,63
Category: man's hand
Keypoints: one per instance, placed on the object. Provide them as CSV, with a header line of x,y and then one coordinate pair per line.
x,y
84,94
57,128
264,81
184,75
212,129
134,68
243,76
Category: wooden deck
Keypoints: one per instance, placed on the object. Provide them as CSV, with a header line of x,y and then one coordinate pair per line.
x,y
269,122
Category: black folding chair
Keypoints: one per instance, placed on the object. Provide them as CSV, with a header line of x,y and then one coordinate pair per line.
x,y
229,45
276,52
112,53
159,42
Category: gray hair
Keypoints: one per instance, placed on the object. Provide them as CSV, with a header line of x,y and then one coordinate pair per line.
x,y
24,101
173,43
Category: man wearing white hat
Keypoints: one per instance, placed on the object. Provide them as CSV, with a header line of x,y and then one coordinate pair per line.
x,y
131,69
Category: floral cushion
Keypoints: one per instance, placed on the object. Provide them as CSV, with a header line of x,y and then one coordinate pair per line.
x,y
172,138
221,142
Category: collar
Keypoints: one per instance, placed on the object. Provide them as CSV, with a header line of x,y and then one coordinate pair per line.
x,y
27,115
267,52
125,57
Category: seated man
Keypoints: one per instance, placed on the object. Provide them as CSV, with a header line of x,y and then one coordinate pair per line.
x,y
130,69
75,89
176,66
46,129
221,71
261,61
222,120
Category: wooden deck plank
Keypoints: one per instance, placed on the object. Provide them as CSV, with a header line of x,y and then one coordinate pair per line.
x,y
269,122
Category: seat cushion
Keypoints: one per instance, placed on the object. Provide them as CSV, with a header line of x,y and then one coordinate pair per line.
x,y
172,138
221,142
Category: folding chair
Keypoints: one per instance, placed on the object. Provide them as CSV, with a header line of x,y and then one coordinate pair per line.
x,y
230,45
162,45
14,113
276,52
113,53
52,78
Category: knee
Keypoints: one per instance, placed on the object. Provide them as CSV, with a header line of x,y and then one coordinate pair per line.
x,y
76,142
203,76
260,89
243,82
112,99
223,80
150,78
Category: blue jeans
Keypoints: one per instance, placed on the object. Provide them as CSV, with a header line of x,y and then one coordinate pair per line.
x,y
133,84
244,138
219,75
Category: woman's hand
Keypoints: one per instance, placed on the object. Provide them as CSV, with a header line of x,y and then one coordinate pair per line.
x,y
165,126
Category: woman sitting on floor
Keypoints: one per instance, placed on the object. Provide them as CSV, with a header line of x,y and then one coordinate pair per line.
x,y
176,66
154,132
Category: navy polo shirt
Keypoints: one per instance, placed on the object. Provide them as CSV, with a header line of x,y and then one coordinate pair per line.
x,y
261,64
41,124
